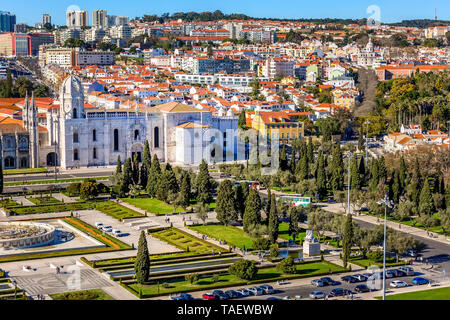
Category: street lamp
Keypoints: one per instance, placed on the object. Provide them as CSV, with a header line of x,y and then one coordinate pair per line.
x,y
387,203
367,138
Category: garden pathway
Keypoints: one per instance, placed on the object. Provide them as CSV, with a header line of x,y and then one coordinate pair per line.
x,y
63,198
23,201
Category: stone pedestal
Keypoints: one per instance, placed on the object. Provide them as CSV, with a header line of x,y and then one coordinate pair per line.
x,y
311,245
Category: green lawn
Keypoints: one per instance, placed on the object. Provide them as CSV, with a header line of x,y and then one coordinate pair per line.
x,y
8,203
185,241
9,172
43,200
365,263
95,294
152,205
52,208
284,190
49,181
228,280
116,210
432,294
232,235
283,232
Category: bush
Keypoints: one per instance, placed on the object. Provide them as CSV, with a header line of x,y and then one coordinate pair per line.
x,y
287,266
89,190
274,252
74,189
191,278
376,256
261,244
243,269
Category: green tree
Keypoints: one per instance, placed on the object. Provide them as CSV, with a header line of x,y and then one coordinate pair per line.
x,y
167,184
426,204
348,240
204,184
239,200
89,189
287,266
242,123
273,221
294,229
154,177
283,159
337,169
185,190
119,166
321,177
142,263
135,170
243,269
225,208
127,176
8,85
252,214
354,175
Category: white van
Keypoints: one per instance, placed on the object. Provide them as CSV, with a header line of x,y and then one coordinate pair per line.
x,y
408,270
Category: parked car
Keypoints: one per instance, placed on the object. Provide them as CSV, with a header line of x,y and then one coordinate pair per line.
x,y
273,298
398,284
243,292
317,283
349,279
337,292
107,229
186,297
116,232
420,281
399,273
360,288
221,295
390,274
329,281
407,270
233,294
256,291
209,296
317,295
411,253
267,289
98,225
360,277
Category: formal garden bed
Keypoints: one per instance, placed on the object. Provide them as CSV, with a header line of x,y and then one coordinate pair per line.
x,y
8,203
152,206
10,172
232,235
117,211
43,200
224,280
185,241
62,207
94,294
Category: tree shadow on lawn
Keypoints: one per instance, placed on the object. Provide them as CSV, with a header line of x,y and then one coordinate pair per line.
x,y
208,282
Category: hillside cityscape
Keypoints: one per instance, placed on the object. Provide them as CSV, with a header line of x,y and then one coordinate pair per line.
x,y
218,156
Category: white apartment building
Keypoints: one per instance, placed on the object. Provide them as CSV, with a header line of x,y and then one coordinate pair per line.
x,y
99,19
77,19
98,58
278,67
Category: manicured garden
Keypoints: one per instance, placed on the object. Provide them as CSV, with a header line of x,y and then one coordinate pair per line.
x,y
49,181
206,282
95,294
43,200
185,241
153,206
66,207
116,210
365,263
6,202
232,235
432,294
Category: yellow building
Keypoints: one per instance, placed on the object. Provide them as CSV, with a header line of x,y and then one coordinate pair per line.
x,y
270,124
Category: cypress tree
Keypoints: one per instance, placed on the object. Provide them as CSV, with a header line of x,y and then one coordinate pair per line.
x,y
426,204
185,190
145,166
348,240
119,166
269,202
303,171
310,151
142,263
204,184
361,142
321,177
147,158
292,162
252,214
242,121
396,187
127,176
135,170
167,184
354,176
8,85
154,176
374,177
337,169
225,208
245,191
293,224
382,171
239,200
143,175
273,221
283,159
402,173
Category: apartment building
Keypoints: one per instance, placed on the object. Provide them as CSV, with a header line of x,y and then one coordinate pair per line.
x,y
279,67
77,19
97,58
23,44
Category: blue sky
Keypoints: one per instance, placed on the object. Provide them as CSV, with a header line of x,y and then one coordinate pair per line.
x,y
30,11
